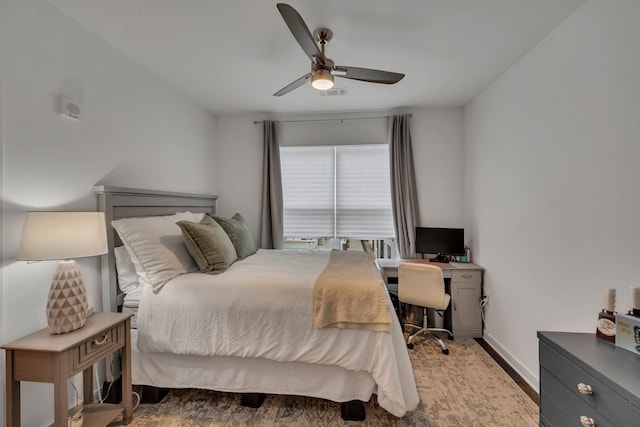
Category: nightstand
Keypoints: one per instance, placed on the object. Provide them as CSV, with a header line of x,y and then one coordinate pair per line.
x,y
43,357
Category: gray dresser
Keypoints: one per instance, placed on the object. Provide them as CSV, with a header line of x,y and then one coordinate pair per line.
x,y
586,381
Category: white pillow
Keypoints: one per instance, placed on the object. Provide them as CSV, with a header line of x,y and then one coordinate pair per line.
x,y
127,276
156,247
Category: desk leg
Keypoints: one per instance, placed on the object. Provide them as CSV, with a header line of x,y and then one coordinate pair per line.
x,y
13,393
448,321
60,401
127,389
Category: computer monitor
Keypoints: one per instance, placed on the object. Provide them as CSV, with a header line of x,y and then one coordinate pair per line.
x,y
440,241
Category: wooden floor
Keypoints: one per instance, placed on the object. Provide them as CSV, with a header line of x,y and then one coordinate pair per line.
x,y
509,370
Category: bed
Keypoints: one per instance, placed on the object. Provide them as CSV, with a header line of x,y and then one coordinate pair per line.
x,y
251,328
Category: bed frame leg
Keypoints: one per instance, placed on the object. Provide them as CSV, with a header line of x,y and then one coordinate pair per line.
x,y
252,400
112,392
353,411
150,394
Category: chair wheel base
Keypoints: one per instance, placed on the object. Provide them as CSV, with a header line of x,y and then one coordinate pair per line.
x,y
450,337
445,351
410,346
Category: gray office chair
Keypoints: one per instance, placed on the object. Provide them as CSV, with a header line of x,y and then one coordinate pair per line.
x,y
423,285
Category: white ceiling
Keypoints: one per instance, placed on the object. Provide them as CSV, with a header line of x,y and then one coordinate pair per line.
x,y
231,56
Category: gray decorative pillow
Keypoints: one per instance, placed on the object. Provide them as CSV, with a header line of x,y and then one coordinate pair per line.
x,y
239,233
209,245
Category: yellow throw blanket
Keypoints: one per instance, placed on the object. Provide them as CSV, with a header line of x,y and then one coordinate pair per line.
x,y
350,293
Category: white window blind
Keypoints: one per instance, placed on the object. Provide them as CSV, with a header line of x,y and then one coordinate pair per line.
x,y
337,191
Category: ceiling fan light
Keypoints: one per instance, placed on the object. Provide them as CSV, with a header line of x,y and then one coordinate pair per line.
x,y
322,79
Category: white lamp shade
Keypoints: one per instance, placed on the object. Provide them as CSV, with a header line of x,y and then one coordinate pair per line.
x,y
62,235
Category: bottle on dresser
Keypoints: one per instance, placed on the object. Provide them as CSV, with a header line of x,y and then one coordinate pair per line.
x,y
635,300
606,328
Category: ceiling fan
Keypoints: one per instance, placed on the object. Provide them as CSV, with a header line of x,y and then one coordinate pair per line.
x,y
322,68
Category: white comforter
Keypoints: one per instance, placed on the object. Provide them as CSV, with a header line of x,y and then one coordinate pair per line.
x,y
263,307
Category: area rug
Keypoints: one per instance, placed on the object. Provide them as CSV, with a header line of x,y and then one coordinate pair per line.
x,y
465,388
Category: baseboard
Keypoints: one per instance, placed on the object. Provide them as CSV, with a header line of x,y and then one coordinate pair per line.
x,y
513,374
514,363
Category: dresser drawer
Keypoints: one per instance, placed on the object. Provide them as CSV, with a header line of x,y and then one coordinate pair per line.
x,y
544,422
466,276
563,408
98,346
603,399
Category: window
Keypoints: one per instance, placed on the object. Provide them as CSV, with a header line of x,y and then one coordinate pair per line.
x,y
339,192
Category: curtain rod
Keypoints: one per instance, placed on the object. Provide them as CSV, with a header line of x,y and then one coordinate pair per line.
x,y
255,122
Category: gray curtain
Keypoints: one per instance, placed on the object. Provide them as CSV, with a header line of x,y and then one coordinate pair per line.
x,y
404,197
271,222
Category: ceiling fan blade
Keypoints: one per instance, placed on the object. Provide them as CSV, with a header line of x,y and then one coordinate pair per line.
x,y
368,75
291,86
300,31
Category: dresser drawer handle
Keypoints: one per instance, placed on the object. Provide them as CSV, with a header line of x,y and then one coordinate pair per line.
x,y
466,276
585,389
101,340
587,422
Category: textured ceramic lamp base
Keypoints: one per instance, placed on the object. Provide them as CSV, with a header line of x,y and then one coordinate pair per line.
x,y
67,305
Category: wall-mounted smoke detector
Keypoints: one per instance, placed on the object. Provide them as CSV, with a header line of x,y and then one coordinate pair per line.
x,y
69,108
336,91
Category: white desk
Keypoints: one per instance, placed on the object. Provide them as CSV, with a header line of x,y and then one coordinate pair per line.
x,y
465,290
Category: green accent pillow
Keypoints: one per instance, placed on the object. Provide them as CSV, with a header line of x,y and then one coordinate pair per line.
x,y
239,233
208,244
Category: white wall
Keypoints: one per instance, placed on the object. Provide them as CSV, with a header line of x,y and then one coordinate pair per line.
x,y
552,150
438,139
134,131
437,136
239,146
2,357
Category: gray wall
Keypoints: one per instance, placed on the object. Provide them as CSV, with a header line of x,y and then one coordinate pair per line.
x,y
552,150
134,131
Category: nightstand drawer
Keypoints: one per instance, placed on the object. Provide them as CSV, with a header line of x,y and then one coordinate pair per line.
x,y
602,399
466,275
98,346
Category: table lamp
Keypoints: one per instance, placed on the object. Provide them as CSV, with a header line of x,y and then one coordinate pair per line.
x,y
64,236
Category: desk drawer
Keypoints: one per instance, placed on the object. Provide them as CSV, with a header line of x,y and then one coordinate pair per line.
x,y
603,399
98,346
466,276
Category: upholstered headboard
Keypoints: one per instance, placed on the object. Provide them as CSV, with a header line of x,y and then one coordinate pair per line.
x,y
122,202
